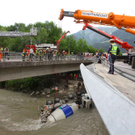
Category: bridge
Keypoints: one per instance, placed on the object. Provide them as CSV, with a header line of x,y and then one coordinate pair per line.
x,y
33,32
116,110
17,69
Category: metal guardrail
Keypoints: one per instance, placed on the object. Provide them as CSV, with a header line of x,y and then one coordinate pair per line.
x,y
17,56
116,110
11,56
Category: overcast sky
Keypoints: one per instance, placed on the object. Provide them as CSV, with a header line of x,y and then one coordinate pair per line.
x,y
32,11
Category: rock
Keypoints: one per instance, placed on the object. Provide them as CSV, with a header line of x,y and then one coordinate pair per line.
x,y
37,93
61,91
52,88
47,90
32,93
43,94
48,96
24,91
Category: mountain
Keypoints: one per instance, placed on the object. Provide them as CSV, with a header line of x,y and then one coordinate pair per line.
x,y
93,37
98,41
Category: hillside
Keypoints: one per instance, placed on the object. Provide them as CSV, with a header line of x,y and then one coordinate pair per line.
x,y
125,36
93,37
99,41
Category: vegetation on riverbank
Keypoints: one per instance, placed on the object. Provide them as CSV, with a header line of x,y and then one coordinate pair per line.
x,y
28,84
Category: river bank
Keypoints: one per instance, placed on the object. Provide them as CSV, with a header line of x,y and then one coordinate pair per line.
x,y
45,86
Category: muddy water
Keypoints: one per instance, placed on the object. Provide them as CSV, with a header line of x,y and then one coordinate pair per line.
x,y
19,116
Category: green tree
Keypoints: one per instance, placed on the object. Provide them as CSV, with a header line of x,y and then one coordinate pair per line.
x,y
63,45
91,49
72,44
2,28
101,50
42,35
82,46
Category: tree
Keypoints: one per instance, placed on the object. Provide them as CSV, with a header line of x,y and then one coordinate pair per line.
x,y
48,32
63,45
101,50
91,49
72,44
42,35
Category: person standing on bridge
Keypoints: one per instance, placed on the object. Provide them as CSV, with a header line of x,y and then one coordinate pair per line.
x,y
6,50
1,49
113,51
23,55
31,53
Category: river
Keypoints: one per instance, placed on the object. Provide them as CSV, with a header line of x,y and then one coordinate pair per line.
x,y
19,116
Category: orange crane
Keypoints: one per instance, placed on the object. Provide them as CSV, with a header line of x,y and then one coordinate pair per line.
x,y
63,36
123,44
123,22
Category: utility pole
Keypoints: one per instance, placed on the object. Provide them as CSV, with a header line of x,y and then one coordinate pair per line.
x,y
33,32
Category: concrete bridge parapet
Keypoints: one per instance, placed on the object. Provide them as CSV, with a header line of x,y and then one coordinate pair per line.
x,y
17,70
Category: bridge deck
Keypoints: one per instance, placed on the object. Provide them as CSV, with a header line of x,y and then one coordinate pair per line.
x,y
17,70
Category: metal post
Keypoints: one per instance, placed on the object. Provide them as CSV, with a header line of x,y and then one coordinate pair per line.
x,y
30,40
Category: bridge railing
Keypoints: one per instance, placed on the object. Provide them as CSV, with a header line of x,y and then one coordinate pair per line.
x,y
18,56
11,56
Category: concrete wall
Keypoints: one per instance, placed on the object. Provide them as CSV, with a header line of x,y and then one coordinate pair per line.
x,y
17,70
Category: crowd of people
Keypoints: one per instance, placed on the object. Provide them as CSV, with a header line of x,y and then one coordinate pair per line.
x,y
42,54
47,54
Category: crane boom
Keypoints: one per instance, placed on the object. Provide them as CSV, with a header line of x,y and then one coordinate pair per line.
x,y
63,36
123,22
123,44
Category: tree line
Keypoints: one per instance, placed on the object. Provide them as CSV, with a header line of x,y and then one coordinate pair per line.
x,y
48,32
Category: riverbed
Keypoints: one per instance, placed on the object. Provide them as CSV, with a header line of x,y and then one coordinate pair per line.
x,y
19,116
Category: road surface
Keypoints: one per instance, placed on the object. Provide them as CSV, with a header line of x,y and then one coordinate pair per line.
x,y
124,85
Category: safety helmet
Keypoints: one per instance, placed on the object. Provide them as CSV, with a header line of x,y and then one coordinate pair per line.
x,y
111,40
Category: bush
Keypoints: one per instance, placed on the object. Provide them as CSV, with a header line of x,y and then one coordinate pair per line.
x,y
2,84
32,83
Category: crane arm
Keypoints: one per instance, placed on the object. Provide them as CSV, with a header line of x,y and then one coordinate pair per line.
x,y
123,22
123,44
63,36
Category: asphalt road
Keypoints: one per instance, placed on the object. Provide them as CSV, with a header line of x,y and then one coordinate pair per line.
x,y
125,68
123,84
